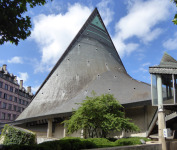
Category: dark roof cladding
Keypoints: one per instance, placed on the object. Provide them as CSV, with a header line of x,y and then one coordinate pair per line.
x,y
90,62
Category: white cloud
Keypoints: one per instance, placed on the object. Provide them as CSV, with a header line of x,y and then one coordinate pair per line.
x,y
35,88
17,60
140,21
171,44
54,33
146,64
23,76
105,11
152,35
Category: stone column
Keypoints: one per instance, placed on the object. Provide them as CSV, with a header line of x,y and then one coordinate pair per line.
x,y
161,116
49,129
82,133
64,128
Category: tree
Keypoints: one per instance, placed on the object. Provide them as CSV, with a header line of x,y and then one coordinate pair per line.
x,y
175,18
98,115
13,26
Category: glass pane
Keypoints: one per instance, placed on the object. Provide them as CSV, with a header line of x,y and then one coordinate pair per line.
x,y
167,89
154,90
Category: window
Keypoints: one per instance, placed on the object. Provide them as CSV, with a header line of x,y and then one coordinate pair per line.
x,y
0,94
6,86
0,74
15,108
5,96
19,109
14,116
8,116
10,107
19,101
26,103
1,84
10,97
22,109
11,88
16,91
23,102
4,105
12,80
15,99
3,115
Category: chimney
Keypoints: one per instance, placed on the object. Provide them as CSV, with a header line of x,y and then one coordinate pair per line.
x,y
15,78
29,89
21,84
4,67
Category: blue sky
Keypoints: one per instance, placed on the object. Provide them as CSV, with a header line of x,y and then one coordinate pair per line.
x,y
141,30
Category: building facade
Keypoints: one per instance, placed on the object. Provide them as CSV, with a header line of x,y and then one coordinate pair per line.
x,y
14,98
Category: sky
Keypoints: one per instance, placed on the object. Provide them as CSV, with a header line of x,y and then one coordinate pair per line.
x,y
141,30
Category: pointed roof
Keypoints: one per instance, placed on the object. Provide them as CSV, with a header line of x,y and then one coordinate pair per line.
x,y
168,65
168,61
90,62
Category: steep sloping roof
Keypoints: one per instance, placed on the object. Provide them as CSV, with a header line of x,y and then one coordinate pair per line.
x,y
168,61
168,65
91,62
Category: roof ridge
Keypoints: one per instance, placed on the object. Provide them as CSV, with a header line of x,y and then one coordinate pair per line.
x,y
90,18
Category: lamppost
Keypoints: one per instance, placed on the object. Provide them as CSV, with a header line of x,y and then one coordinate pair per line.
x,y
163,92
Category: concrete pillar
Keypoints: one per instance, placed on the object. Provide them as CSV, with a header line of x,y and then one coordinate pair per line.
x,y
145,118
161,116
49,129
64,130
82,133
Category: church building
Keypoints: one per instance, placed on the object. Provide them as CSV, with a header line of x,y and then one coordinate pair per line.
x,y
90,62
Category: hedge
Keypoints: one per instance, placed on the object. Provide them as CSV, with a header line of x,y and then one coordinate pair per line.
x,y
15,135
72,143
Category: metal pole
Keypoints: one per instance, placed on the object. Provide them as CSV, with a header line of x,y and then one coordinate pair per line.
x,y
161,116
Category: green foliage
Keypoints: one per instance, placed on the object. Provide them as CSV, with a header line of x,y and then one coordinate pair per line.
x,y
57,145
14,26
98,115
26,147
130,141
175,17
101,142
112,139
79,143
15,136
72,143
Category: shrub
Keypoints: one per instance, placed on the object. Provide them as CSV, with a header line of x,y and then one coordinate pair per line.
x,y
130,141
79,143
15,135
54,145
57,145
101,142
25,147
112,139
